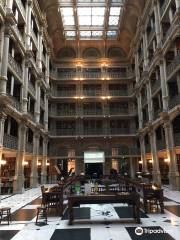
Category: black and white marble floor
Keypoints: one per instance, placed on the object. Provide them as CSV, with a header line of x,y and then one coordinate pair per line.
x,y
98,225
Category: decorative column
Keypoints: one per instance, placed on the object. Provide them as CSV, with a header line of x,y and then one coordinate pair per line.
x,y
25,87
145,53
143,154
47,66
133,167
4,64
28,24
139,102
157,23
39,58
9,4
37,104
44,161
178,83
2,121
18,184
163,85
170,15
156,172
149,100
46,113
177,5
137,66
34,172
174,178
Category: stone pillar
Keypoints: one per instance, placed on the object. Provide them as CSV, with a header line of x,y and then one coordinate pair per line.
x,y
12,86
34,173
9,4
37,104
178,83
170,15
133,167
47,66
174,178
39,58
177,5
4,64
156,172
157,23
46,113
18,184
137,66
28,24
149,99
143,154
139,102
25,87
145,54
44,161
163,85
2,120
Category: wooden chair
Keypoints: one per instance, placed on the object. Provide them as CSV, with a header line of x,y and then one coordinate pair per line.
x,y
41,213
5,212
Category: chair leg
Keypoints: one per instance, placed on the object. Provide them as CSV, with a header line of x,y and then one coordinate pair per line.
x,y
37,217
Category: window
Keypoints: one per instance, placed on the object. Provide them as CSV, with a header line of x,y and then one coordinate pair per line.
x,y
90,19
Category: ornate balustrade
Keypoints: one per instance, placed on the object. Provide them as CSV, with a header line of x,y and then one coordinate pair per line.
x,y
15,66
10,141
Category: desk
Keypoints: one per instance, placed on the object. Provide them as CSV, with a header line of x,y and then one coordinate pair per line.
x,y
129,198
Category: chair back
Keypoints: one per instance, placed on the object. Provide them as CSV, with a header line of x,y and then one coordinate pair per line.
x,y
42,189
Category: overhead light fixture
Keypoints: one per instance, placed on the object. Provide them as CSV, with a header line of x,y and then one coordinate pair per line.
x,y
3,162
166,160
150,161
39,163
47,164
25,163
140,162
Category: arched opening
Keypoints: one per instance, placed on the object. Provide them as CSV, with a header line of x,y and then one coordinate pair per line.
x,y
91,53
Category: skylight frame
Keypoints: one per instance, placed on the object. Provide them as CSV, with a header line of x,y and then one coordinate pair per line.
x,y
91,15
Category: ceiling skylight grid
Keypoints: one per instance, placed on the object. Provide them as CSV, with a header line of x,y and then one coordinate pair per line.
x,y
90,19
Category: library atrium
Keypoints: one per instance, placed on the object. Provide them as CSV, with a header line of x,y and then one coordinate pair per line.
x,y
89,119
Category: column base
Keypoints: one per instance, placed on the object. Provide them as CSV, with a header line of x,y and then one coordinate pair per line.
x,y
174,180
43,179
18,184
156,177
33,182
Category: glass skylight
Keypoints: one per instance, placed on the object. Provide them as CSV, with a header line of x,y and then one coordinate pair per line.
x,y
91,16
90,19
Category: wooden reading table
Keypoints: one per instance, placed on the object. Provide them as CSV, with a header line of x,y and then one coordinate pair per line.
x,y
131,198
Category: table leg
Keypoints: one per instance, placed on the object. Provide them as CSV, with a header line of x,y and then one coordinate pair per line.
x,y
138,220
145,206
161,206
71,214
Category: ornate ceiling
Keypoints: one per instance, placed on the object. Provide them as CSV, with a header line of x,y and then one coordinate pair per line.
x,y
75,34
